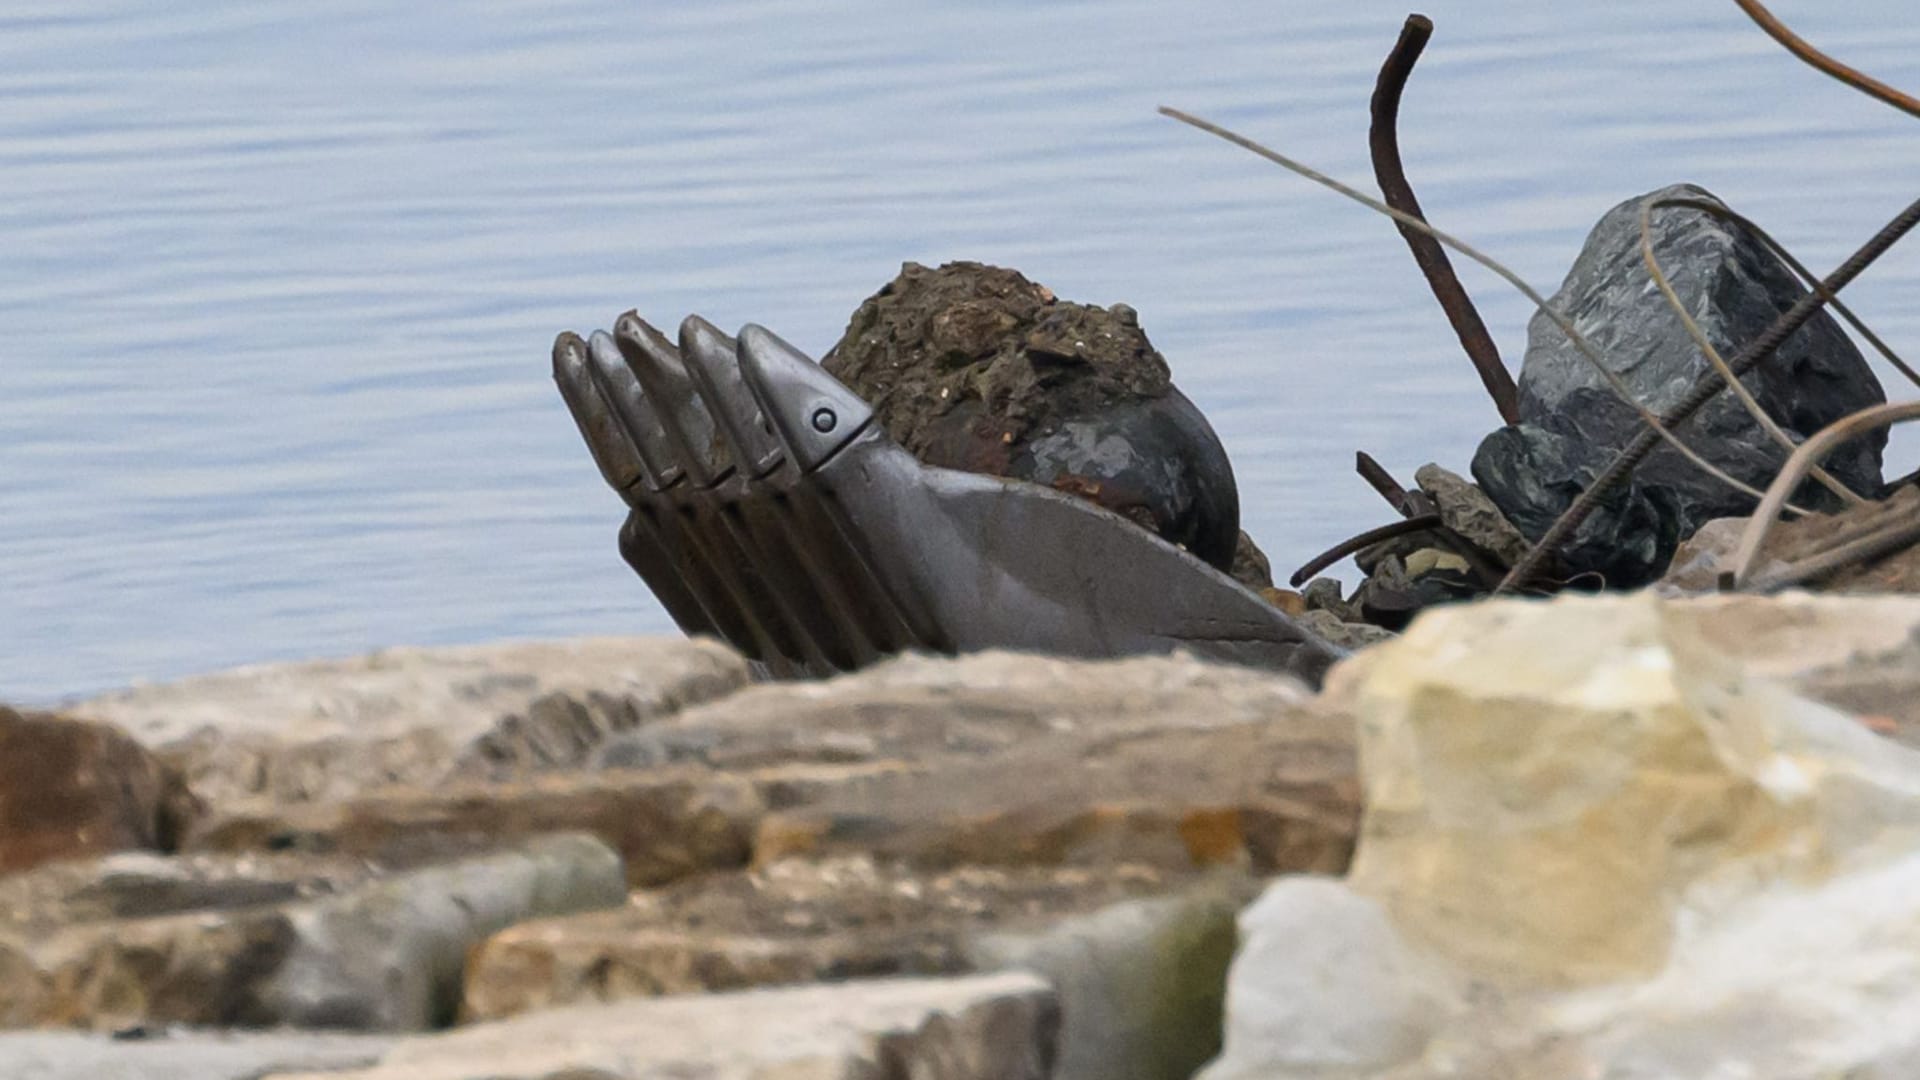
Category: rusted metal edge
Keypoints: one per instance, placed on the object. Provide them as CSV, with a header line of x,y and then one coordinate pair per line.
x,y
1810,452
1383,140
1350,545
1825,64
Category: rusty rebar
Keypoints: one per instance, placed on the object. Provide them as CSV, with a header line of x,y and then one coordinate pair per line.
x,y
1719,364
1382,481
1858,548
1344,548
1825,64
1383,141
1819,446
1559,319
1705,389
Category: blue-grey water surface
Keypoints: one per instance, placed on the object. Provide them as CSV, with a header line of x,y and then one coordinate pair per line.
x,y
278,279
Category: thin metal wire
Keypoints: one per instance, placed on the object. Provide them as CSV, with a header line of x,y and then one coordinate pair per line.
x,y
1806,276
1705,389
1851,426
1860,81
1699,336
1620,388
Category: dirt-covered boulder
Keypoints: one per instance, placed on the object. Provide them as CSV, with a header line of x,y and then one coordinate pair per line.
x,y
974,367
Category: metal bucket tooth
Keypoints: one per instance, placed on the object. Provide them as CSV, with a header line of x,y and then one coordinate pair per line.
x,y
606,397
612,441
711,359
710,527
752,507
813,414
634,411
815,417
683,419
607,439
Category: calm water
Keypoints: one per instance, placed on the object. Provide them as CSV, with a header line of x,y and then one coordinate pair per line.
x,y
278,279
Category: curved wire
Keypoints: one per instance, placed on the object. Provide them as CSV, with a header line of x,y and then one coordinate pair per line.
x,y
1614,381
1794,44
1807,278
1859,423
1713,356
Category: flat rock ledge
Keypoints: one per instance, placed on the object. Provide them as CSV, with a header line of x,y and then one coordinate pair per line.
x,y
327,728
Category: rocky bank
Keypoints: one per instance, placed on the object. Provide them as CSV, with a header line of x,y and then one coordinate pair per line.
x,y
1522,838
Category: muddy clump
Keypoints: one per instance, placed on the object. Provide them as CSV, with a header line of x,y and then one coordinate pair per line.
x,y
974,367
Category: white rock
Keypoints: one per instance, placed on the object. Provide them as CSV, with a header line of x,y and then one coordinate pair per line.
x,y
1322,981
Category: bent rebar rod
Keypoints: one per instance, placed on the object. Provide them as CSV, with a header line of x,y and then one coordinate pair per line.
x,y
1383,143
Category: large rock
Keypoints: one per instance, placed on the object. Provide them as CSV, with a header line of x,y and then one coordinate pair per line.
x,y
1860,654
921,709
974,367
1274,795
249,945
1597,843
989,1027
143,885
666,823
1005,759
1571,424
70,789
332,728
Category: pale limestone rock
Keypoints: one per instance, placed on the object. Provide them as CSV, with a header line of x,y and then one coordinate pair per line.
x,y
1598,845
790,922
1277,794
1856,653
1545,781
986,1027
331,728
1139,980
